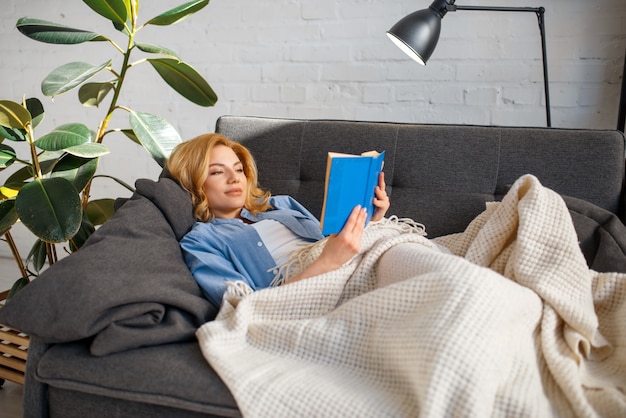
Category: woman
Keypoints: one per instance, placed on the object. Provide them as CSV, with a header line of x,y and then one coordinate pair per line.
x,y
243,233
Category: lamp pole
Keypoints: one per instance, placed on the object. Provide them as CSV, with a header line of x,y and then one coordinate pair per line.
x,y
621,116
539,11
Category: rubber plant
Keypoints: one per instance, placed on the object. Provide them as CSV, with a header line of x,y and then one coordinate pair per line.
x,y
49,190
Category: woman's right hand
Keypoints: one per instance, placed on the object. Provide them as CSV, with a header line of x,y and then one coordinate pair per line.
x,y
339,248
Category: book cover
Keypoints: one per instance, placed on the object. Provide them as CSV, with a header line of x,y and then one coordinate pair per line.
x,y
350,180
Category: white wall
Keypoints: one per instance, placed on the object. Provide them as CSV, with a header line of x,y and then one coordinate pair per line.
x,y
332,59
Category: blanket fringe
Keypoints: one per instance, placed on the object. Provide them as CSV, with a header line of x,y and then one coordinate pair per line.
x,y
405,225
238,289
297,260
301,258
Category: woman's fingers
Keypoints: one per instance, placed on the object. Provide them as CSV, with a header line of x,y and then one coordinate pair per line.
x,y
381,181
362,217
381,200
356,220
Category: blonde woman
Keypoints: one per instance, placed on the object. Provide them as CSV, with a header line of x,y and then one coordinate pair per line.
x,y
242,232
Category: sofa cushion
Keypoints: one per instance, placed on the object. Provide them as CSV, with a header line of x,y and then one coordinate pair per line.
x,y
602,236
171,375
127,287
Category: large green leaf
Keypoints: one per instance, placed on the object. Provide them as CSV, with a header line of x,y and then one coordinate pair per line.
x,y
91,94
47,161
100,210
156,49
185,80
35,107
114,10
7,156
88,150
37,255
17,286
20,175
14,134
84,232
178,13
69,76
8,215
49,158
65,136
157,136
50,208
54,33
78,171
124,27
14,115
131,135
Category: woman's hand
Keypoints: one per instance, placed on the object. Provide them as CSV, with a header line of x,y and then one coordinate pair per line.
x,y
381,200
339,248
346,244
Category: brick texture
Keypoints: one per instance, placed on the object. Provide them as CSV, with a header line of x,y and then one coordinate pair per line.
x,y
332,59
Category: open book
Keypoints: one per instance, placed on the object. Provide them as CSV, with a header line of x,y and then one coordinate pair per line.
x,y
350,180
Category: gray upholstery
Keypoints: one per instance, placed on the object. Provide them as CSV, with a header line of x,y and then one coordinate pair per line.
x,y
150,374
131,285
439,175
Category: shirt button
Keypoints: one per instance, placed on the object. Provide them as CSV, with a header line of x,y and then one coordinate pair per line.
x,y
275,271
259,244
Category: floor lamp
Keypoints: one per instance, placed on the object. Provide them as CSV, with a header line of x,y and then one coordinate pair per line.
x,y
417,34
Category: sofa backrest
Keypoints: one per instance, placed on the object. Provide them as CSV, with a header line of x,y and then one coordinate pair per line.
x,y
439,175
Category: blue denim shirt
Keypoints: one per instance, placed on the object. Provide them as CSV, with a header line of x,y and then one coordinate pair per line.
x,y
224,250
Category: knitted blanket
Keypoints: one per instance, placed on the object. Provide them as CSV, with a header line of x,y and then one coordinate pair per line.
x,y
508,321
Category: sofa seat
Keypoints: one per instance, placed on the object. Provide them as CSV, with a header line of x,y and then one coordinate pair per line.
x,y
183,384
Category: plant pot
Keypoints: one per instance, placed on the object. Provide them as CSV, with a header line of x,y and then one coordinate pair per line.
x,y
13,351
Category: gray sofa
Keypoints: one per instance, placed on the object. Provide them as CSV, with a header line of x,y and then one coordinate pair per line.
x,y
112,326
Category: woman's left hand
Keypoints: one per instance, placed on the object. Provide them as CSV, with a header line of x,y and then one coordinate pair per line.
x,y
381,200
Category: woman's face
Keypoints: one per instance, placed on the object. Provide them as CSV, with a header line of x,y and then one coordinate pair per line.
x,y
226,184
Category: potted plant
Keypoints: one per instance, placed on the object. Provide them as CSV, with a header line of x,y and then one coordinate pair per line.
x,y
49,190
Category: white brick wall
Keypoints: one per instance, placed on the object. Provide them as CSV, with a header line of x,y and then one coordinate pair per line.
x,y
332,59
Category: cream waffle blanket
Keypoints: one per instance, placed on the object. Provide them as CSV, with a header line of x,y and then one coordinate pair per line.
x,y
508,321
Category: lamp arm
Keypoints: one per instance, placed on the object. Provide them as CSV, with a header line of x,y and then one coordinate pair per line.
x,y
429,22
539,11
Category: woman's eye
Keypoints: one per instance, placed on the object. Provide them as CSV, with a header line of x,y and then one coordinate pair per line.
x,y
214,173
240,170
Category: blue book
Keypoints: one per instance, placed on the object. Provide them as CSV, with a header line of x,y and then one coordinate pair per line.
x,y
350,180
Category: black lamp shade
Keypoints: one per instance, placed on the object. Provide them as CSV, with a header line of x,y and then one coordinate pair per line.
x,y
417,34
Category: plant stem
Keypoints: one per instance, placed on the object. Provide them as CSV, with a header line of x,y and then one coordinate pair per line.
x,y
51,253
33,151
118,88
16,255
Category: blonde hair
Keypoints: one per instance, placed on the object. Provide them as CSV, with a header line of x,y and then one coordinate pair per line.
x,y
189,165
